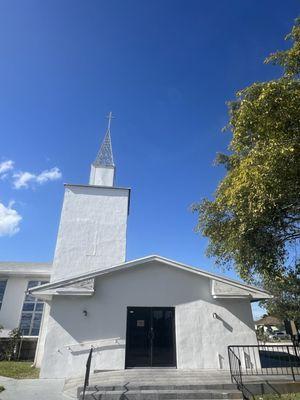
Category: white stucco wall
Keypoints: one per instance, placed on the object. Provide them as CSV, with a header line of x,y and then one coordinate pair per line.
x,y
42,337
201,340
12,304
102,176
92,230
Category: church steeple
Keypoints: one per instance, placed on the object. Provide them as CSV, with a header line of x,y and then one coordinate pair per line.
x,y
103,168
105,155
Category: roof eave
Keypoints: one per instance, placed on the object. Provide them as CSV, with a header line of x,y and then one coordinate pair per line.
x,y
129,264
48,294
253,298
38,274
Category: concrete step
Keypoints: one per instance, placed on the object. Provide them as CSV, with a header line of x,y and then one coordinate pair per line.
x,y
170,386
93,393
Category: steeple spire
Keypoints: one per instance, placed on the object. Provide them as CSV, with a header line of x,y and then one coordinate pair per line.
x,y
105,155
103,168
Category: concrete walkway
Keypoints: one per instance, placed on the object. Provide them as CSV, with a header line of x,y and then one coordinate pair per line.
x,y
164,377
32,389
57,389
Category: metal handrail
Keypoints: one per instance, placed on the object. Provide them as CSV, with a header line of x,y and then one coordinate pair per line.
x,y
234,361
94,343
87,372
250,360
266,359
231,365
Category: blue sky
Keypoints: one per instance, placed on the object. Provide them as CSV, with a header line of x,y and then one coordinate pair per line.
x,y
165,68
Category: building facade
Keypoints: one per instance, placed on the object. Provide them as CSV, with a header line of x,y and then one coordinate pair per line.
x,y
150,312
17,308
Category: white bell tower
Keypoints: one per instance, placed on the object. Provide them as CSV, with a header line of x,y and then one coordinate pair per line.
x,y
92,229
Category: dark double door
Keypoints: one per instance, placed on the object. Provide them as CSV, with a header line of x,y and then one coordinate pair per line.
x,y
150,338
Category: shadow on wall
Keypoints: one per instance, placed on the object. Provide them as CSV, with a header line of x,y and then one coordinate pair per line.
x,y
240,307
225,324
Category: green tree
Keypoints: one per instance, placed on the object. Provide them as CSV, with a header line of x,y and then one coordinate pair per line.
x,y
253,221
12,346
286,292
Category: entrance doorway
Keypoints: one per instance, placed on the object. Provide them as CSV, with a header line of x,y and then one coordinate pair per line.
x,y
150,338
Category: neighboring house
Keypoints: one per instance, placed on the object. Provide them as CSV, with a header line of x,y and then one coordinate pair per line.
x,y
149,312
269,324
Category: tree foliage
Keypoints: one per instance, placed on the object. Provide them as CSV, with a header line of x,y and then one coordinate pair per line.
x,y
286,292
12,346
253,222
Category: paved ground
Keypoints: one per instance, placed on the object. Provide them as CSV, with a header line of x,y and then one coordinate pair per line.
x,y
164,376
54,389
32,389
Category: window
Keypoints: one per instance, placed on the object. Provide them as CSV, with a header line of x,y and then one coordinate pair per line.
x,y
2,290
32,312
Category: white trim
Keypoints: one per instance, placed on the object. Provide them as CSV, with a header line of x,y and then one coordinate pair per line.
x,y
26,274
73,292
145,260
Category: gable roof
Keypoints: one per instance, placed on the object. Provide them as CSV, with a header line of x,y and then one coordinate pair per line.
x,y
220,290
269,320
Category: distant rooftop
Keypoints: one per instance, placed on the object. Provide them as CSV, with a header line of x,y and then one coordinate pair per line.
x,y
268,320
25,268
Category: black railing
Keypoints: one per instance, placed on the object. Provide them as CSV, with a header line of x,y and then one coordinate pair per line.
x,y
87,372
236,372
255,360
235,368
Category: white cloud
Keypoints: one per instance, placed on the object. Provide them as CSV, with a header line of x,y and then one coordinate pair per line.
x,y
9,217
9,220
23,179
49,175
6,166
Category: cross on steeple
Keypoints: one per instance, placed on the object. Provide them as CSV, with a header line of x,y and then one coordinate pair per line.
x,y
105,156
109,117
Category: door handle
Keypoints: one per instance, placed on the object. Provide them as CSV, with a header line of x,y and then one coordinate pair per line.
x,y
151,334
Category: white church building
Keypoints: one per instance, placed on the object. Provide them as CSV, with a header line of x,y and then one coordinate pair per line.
x,y
148,312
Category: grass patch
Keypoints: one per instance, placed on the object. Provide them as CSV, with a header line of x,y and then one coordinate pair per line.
x,y
18,370
2,388
286,396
